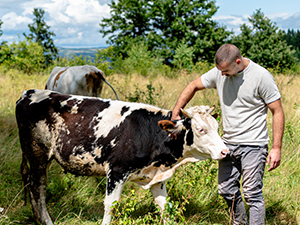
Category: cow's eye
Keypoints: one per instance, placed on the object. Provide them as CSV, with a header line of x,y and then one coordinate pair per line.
x,y
200,130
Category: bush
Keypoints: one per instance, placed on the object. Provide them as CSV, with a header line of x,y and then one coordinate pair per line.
x,y
103,59
139,61
183,58
26,56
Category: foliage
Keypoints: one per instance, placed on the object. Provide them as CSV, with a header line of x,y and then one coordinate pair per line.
x,y
1,32
149,96
263,43
183,58
40,34
139,60
26,56
73,61
162,25
173,213
292,38
103,60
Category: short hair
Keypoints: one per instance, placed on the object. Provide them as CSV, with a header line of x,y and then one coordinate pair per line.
x,y
227,53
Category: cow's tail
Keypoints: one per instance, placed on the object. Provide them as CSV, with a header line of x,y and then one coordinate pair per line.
x,y
111,88
25,176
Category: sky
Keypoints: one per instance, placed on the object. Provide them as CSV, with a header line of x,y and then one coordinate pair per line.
x,y
76,22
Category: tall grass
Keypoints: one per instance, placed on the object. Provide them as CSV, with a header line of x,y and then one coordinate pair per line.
x,y
193,191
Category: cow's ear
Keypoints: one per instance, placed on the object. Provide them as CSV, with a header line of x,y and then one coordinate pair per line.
x,y
166,125
215,115
172,127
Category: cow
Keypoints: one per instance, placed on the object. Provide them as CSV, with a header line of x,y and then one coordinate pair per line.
x,y
78,80
123,141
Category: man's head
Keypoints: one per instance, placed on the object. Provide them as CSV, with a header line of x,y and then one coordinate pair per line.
x,y
228,60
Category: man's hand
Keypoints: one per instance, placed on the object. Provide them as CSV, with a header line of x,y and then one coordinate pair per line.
x,y
175,117
274,158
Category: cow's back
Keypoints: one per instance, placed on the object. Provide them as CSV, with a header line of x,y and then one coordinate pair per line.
x,y
79,80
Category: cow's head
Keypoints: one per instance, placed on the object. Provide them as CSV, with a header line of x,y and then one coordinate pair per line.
x,y
202,128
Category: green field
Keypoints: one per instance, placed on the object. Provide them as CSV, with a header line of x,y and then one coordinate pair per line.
x,y
193,190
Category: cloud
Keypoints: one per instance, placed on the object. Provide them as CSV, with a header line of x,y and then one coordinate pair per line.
x,y
74,22
283,21
12,21
232,22
83,11
291,22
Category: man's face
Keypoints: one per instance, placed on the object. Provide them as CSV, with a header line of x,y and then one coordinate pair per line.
x,y
229,69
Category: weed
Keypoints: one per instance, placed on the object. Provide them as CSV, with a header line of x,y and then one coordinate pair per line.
x,y
149,96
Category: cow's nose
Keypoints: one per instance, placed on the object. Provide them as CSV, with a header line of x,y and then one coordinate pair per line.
x,y
224,153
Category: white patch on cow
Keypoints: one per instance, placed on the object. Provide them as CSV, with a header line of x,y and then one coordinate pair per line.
x,y
97,151
43,134
74,109
151,175
78,148
113,142
110,199
39,96
79,162
50,137
77,98
159,193
111,117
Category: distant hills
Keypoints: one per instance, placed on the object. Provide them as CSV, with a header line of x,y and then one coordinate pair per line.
x,y
69,52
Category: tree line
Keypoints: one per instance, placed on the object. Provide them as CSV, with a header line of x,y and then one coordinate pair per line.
x,y
173,33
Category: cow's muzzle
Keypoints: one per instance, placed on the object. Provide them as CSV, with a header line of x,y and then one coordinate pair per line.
x,y
225,153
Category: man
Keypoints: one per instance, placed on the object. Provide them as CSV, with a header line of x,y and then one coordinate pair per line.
x,y
246,92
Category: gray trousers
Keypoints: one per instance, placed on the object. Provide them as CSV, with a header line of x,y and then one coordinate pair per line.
x,y
248,162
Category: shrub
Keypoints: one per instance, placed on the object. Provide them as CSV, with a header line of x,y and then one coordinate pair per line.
x,y
140,61
26,56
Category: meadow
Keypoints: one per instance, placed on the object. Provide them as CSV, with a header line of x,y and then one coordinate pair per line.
x,y
193,195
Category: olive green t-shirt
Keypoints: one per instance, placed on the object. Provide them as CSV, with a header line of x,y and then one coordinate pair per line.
x,y
244,98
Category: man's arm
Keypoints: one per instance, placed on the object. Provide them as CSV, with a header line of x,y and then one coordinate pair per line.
x,y
186,95
274,156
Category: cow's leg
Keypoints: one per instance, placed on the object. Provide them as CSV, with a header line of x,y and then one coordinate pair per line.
x,y
38,184
35,178
113,193
159,193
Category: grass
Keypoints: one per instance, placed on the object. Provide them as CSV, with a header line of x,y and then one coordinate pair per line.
x,y
193,190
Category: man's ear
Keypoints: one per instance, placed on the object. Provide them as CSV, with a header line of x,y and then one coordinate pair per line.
x,y
238,61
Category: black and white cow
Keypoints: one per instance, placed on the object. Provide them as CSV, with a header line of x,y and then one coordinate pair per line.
x,y
78,80
99,137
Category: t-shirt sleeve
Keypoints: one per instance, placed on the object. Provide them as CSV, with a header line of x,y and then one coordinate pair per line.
x,y
268,89
209,79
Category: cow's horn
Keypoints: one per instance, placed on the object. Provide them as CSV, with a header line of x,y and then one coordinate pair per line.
x,y
212,108
186,114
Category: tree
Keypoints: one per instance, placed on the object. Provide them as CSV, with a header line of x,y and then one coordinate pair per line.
x,y
263,42
292,38
1,32
40,34
163,24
